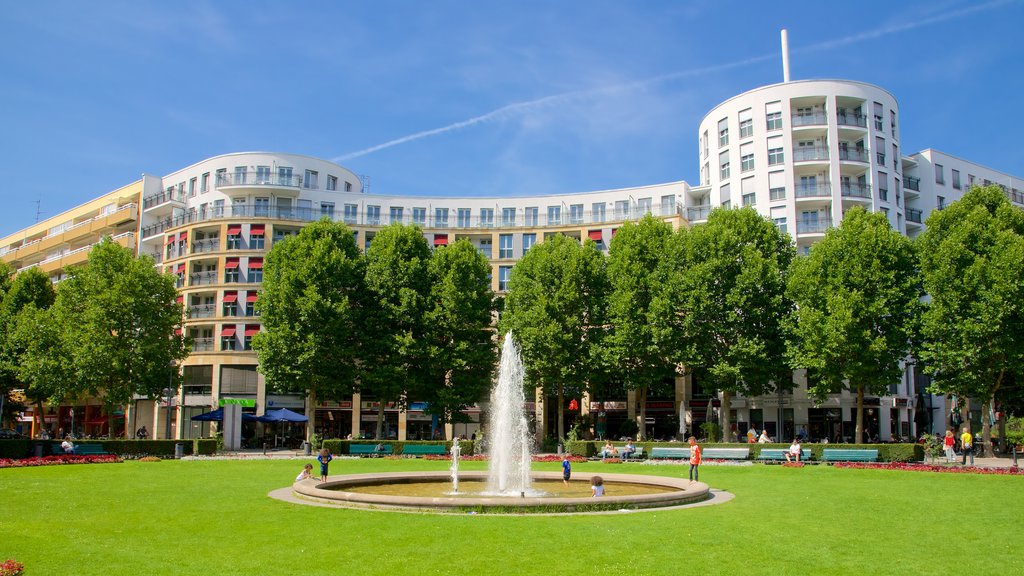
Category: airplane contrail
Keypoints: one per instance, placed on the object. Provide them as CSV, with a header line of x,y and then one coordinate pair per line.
x,y
516,107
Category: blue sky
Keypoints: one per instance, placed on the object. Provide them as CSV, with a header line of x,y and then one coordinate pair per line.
x,y
525,97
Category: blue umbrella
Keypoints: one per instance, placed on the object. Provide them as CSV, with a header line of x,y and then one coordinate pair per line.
x,y
218,415
282,415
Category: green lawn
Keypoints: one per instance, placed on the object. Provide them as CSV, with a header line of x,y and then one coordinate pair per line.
x,y
214,517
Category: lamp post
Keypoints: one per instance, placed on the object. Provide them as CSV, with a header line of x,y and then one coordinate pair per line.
x,y
170,392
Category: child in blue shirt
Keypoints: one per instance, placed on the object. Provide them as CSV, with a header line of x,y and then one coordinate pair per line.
x,y
566,469
324,458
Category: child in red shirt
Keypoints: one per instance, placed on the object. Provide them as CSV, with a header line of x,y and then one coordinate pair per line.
x,y
694,460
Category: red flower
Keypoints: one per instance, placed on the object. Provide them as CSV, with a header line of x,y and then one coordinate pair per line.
x,y
11,568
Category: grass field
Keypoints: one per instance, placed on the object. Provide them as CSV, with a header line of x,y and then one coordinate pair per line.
x,y
214,517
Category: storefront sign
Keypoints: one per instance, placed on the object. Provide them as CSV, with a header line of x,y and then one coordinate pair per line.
x,y
243,402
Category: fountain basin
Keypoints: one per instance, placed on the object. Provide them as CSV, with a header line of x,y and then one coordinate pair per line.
x,y
339,491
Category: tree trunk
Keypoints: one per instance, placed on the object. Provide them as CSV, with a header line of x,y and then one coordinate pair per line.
x,y
561,414
858,431
1002,434
986,429
311,422
380,420
42,417
726,424
641,419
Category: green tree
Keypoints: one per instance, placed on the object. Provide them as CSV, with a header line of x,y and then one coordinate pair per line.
x,y
118,318
857,295
636,262
460,340
555,310
312,314
730,304
972,266
398,284
29,293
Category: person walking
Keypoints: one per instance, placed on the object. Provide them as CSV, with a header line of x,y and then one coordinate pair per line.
x,y
695,453
948,445
967,446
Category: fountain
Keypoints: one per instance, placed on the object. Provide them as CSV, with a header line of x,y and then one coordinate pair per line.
x,y
508,485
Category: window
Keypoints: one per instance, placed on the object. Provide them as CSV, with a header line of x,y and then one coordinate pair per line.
x,y
238,380
597,212
261,207
234,237
263,174
504,273
222,176
777,193
775,156
218,208
486,217
956,179
704,144
892,122
725,193
746,123
227,342
231,274
256,237
749,199
776,186
773,121
668,205
332,182
351,213
395,215
621,209
508,216
462,217
643,206
780,223
939,178
440,217
238,207
723,165
204,185
746,158
576,214
284,176
419,216
723,132
327,209
528,241
310,179
250,304
531,215
554,215
231,303
505,246
485,247
883,186
192,187
240,172
348,186
255,269
727,204
878,116
373,215
941,202
704,174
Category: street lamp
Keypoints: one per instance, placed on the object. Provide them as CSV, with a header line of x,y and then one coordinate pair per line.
x,y
170,393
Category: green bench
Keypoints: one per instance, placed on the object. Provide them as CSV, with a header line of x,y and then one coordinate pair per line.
x,y
637,454
670,453
842,455
370,449
80,450
779,454
424,449
726,453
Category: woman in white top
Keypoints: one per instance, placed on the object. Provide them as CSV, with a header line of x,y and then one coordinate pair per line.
x,y
764,439
794,451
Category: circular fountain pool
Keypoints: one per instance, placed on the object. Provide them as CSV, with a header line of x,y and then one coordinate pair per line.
x,y
432,492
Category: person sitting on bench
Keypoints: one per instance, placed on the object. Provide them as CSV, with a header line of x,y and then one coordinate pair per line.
x,y
628,450
67,445
609,451
794,450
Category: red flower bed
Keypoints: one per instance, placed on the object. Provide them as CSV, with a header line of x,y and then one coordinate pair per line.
x,y
917,467
58,460
12,568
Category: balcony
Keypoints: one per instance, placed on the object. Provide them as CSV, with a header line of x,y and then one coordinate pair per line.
x,y
858,120
817,119
202,345
202,278
856,190
207,245
810,154
913,215
822,190
280,184
911,183
813,226
202,311
855,155
697,213
164,201
78,255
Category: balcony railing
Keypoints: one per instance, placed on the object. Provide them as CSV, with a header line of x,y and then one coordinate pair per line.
x,y
913,215
202,311
809,119
856,190
203,278
810,153
697,213
813,226
855,154
208,245
911,183
250,179
202,344
162,198
852,120
814,190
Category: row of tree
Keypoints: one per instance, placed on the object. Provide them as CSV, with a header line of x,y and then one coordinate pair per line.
x,y
109,331
731,302
397,322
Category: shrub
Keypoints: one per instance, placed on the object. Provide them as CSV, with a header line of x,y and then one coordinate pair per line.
x,y
16,448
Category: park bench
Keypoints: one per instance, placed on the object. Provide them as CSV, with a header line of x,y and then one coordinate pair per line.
x,y
638,454
842,455
369,449
726,453
424,449
779,455
670,453
80,449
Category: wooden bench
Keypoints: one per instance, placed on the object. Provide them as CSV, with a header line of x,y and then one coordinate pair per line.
x,y
726,453
424,449
369,449
841,455
779,454
670,453
80,450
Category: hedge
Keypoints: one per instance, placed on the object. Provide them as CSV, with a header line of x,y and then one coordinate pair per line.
x,y
886,452
337,446
24,448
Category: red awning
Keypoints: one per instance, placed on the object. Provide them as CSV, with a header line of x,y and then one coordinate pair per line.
x,y
231,263
257,229
180,299
252,329
255,263
230,296
171,238
252,297
181,268
183,236
440,239
596,235
234,229
227,331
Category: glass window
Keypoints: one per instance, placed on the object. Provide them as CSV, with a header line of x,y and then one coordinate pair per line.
x,y
554,215
746,128
956,179
332,182
747,162
939,177
643,206
668,205
419,216
205,183
487,217
597,212
440,217
780,223
284,176
462,217
621,209
723,165
256,240
351,213
372,215
775,156
505,246
723,132
777,193
310,180
774,121
531,215
528,241
263,174
504,273
395,215
508,216
576,214
327,209
749,199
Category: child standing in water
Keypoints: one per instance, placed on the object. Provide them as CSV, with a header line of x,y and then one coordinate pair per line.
x,y
694,460
324,458
566,469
